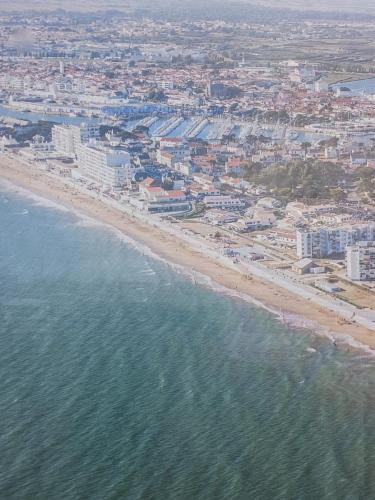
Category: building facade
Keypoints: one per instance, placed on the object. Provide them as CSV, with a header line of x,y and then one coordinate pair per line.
x,y
66,138
323,242
107,166
360,261
223,202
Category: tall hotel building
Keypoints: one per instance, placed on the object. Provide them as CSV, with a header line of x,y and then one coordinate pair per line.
x,y
109,167
66,138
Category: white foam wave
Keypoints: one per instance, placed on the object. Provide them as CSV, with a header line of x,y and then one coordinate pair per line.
x,y
38,201
148,272
311,350
86,222
42,202
348,340
291,320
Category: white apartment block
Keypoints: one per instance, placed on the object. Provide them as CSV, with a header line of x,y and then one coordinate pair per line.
x,y
66,138
86,131
107,166
157,200
63,140
185,167
68,85
360,261
166,85
167,156
222,202
13,83
323,242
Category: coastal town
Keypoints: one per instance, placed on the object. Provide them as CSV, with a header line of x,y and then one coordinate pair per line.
x,y
248,142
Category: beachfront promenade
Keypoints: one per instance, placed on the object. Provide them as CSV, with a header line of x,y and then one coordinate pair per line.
x,y
195,243
343,309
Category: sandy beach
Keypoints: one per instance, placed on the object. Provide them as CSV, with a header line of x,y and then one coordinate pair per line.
x,y
179,252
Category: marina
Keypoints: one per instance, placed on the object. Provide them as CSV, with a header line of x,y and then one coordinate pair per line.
x,y
214,130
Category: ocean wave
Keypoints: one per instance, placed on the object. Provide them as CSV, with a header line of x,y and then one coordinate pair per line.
x,y
149,272
347,340
86,222
43,203
38,201
288,319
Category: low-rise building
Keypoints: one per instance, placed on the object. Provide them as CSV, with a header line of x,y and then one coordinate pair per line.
x,y
201,191
302,266
223,202
305,266
159,200
185,168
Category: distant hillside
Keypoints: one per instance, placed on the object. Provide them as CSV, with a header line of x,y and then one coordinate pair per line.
x,y
231,10
320,5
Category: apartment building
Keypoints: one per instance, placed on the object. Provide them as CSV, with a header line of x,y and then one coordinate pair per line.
x,y
223,202
12,83
323,242
109,167
66,138
158,200
360,261
170,156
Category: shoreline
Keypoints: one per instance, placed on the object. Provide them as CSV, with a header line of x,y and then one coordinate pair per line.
x,y
203,269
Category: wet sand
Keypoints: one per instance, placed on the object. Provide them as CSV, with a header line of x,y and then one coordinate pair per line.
x,y
178,251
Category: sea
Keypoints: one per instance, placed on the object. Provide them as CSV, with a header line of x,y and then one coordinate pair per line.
x,y
123,378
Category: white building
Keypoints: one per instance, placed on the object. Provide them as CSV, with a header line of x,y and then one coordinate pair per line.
x,y
170,156
40,148
251,224
166,85
155,199
13,83
360,261
66,138
107,166
86,131
302,74
308,244
63,140
222,202
69,85
318,243
321,85
185,167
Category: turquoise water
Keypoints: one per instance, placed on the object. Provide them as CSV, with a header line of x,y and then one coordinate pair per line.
x,y
121,379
